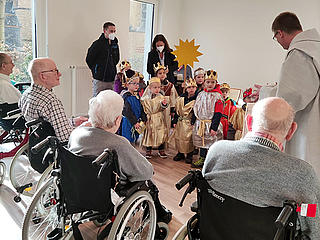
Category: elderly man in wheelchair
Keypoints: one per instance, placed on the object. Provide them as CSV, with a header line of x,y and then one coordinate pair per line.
x,y
129,206
245,183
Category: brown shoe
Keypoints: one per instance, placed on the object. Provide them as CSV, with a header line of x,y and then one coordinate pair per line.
x,y
162,154
148,154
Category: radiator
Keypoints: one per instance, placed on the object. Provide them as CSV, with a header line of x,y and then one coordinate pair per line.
x,y
81,82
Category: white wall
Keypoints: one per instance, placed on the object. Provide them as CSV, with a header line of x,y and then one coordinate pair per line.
x,y
234,36
73,25
236,39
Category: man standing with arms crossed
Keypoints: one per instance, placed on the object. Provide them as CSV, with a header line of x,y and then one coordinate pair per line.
x,y
299,84
102,58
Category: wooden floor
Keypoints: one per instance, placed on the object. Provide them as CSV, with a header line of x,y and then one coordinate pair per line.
x,y
167,173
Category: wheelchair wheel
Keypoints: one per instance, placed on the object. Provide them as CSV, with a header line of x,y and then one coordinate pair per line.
x,y
136,218
41,217
182,233
2,172
21,172
163,231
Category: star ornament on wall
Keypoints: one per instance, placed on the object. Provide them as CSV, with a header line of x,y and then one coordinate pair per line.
x,y
186,53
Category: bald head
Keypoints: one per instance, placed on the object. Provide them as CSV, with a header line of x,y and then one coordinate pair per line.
x,y
273,115
43,71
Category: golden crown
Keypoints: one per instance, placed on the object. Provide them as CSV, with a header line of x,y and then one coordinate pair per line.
x,y
129,79
225,86
211,74
124,64
190,83
154,80
157,67
141,76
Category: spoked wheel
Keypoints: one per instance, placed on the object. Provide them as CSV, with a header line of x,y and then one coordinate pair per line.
x,y
21,172
2,172
136,219
41,217
182,233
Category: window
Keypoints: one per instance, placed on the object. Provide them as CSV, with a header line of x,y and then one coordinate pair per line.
x,y
16,35
140,34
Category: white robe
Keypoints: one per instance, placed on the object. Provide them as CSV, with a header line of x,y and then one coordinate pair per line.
x,y
299,85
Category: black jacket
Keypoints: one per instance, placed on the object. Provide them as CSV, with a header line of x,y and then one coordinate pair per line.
x,y
102,59
153,58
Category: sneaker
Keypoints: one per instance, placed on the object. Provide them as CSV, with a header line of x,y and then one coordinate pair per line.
x,y
164,215
148,154
198,163
179,157
162,154
189,157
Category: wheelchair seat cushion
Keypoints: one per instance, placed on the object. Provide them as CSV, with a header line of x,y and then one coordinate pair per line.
x,y
224,217
81,188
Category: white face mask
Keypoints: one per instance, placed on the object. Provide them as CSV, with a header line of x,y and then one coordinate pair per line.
x,y
112,36
160,48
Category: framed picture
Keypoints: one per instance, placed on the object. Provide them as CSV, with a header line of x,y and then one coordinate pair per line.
x,y
235,94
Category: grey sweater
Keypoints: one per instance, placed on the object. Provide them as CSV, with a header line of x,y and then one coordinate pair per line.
x,y
90,141
255,172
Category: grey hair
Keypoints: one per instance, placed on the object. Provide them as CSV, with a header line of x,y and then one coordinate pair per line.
x,y
35,66
264,119
105,108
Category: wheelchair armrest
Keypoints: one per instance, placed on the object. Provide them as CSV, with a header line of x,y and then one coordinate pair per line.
x,y
13,112
126,190
19,123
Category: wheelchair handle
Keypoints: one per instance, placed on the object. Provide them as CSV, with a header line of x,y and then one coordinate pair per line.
x,y
13,112
184,180
38,147
33,122
284,215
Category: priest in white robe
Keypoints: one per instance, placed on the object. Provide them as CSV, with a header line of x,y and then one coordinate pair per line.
x,y
299,85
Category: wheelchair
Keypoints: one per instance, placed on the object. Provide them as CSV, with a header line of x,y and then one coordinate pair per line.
x,y
81,189
27,173
218,216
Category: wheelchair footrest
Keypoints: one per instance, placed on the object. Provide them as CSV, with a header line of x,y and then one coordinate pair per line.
x,y
24,187
55,234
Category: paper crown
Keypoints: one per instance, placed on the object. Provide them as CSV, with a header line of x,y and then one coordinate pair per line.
x,y
130,75
154,80
199,71
124,64
190,83
210,74
157,67
225,86
247,93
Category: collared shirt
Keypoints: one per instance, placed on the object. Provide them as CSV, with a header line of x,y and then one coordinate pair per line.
x,y
38,101
266,140
8,93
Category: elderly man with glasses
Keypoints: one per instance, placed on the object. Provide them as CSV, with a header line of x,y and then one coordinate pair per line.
x,y
40,101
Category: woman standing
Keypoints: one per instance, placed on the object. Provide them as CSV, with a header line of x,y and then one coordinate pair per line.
x,y
161,52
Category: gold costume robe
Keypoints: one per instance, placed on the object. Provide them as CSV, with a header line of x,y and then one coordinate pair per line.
x,y
156,131
237,120
181,137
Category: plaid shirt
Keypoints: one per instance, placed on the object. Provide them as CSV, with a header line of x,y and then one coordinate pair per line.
x,y
38,101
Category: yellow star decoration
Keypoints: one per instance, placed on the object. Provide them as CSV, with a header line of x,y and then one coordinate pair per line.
x,y
186,53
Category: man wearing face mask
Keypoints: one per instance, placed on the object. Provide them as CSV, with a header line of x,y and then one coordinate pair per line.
x,y
102,58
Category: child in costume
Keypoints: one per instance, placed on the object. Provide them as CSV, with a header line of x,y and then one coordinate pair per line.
x,y
133,114
120,79
182,135
229,106
207,114
236,122
154,103
199,77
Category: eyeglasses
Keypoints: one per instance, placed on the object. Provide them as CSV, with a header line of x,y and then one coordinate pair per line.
x,y
274,37
53,70
134,83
